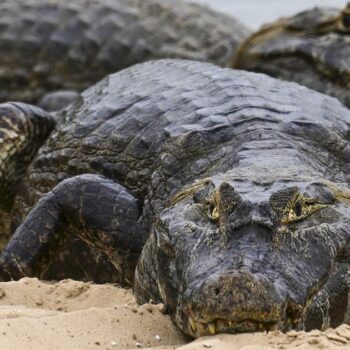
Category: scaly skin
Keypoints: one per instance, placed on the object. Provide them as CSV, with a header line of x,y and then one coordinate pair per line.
x,y
237,182
55,45
311,48
23,129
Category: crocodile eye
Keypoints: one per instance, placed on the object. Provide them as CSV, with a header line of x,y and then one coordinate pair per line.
x,y
300,208
291,206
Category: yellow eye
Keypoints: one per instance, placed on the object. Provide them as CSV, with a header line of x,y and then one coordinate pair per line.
x,y
299,208
294,213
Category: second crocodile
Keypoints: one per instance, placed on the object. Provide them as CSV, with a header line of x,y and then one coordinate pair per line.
x,y
311,48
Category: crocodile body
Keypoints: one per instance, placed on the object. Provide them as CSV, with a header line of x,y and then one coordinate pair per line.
x,y
55,45
226,190
311,48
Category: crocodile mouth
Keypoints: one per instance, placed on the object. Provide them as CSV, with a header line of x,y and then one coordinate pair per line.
x,y
216,326
289,315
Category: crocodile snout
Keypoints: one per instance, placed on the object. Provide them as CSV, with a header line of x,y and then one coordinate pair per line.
x,y
233,302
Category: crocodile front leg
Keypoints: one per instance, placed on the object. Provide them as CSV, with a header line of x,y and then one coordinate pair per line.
x,y
101,212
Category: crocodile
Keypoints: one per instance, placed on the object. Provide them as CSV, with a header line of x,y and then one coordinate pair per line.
x,y
311,48
221,193
69,45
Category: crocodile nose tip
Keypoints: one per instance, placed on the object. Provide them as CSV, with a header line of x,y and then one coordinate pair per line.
x,y
262,221
239,286
239,295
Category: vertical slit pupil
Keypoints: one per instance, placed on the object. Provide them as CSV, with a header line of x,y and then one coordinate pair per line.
x,y
298,208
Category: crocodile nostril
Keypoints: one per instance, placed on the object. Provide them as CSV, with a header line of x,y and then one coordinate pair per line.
x,y
217,290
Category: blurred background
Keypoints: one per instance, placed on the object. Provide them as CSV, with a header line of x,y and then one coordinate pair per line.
x,y
254,13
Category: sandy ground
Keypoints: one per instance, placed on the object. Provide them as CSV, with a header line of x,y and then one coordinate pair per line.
x,y
73,315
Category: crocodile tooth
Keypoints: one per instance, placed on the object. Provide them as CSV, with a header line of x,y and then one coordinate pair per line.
x,y
212,328
193,324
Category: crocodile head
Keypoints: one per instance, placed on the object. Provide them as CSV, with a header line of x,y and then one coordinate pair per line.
x,y
241,253
311,48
